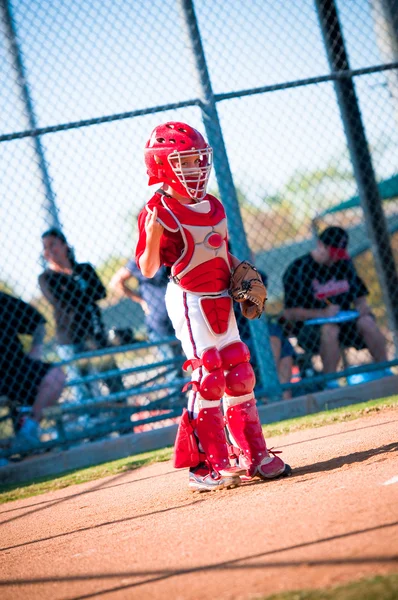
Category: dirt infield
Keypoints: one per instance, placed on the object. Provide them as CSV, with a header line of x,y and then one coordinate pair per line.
x,y
142,534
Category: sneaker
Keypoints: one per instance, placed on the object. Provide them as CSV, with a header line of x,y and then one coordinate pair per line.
x,y
270,467
201,479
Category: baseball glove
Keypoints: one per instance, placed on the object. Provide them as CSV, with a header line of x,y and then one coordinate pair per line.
x,y
247,288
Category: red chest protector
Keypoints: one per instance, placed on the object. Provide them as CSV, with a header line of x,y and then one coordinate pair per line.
x,y
204,267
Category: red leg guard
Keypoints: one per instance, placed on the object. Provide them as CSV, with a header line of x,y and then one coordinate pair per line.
x,y
244,424
209,426
210,429
186,451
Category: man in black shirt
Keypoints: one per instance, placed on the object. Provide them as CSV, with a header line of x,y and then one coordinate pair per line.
x,y
321,284
24,378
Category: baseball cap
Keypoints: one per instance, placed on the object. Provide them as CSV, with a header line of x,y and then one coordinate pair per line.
x,y
336,239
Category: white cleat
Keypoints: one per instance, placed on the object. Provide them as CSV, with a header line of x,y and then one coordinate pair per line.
x,y
201,479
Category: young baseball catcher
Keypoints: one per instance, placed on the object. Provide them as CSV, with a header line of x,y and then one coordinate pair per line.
x,y
185,229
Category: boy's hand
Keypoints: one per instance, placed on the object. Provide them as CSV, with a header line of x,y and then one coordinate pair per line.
x,y
153,228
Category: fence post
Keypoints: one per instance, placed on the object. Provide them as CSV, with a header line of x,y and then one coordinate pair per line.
x,y
362,162
258,330
17,60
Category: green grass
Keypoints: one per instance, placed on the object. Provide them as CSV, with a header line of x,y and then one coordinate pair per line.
x,y
376,588
12,492
328,417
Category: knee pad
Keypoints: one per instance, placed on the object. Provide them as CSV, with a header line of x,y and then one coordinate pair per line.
x,y
211,360
212,385
234,354
240,378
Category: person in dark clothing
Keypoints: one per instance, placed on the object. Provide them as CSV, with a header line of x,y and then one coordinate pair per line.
x,y
321,284
24,378
282,349
73,289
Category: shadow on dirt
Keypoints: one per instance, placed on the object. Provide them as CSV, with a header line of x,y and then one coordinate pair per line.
x,y
153,576
104,524
348,459
44,504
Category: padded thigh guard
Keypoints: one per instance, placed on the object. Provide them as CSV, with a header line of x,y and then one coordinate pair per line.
x,y
240,378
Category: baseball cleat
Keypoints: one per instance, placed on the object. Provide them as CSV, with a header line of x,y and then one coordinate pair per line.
x,y
271,467
201,479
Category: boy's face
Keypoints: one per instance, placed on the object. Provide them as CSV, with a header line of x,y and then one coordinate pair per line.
x,y
192,168
187,164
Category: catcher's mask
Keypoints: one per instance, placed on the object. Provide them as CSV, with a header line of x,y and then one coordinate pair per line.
x,y
178,155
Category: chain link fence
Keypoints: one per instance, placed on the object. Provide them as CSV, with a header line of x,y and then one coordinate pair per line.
x,y
299,101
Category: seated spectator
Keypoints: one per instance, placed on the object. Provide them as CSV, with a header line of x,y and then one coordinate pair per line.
x,y
25,379
73,289
151,297
282,349
321,284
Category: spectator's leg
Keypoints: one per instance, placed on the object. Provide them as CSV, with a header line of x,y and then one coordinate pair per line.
x,y
329,347
283,365
108,363
373,338
48,392
276,346
285,374
73,371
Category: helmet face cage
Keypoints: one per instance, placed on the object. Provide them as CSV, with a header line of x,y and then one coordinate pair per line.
x,y
177,154
193,177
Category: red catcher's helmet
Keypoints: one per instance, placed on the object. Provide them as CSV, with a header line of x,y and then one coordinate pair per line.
x,y
178,155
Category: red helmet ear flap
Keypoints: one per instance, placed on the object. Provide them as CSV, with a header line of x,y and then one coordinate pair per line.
x,y
152,180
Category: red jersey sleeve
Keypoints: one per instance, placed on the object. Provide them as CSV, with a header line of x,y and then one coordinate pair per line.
x,y
139,251
171,244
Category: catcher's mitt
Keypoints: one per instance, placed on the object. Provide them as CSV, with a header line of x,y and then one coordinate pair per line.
x,y
247,288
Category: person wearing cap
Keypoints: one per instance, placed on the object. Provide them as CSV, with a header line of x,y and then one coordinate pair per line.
x,y
322,283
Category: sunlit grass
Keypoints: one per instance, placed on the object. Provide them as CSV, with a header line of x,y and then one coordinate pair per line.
x,y
376,588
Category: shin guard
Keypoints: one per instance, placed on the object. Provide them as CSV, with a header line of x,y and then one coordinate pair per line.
x,y
186,450
209,429
244,425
